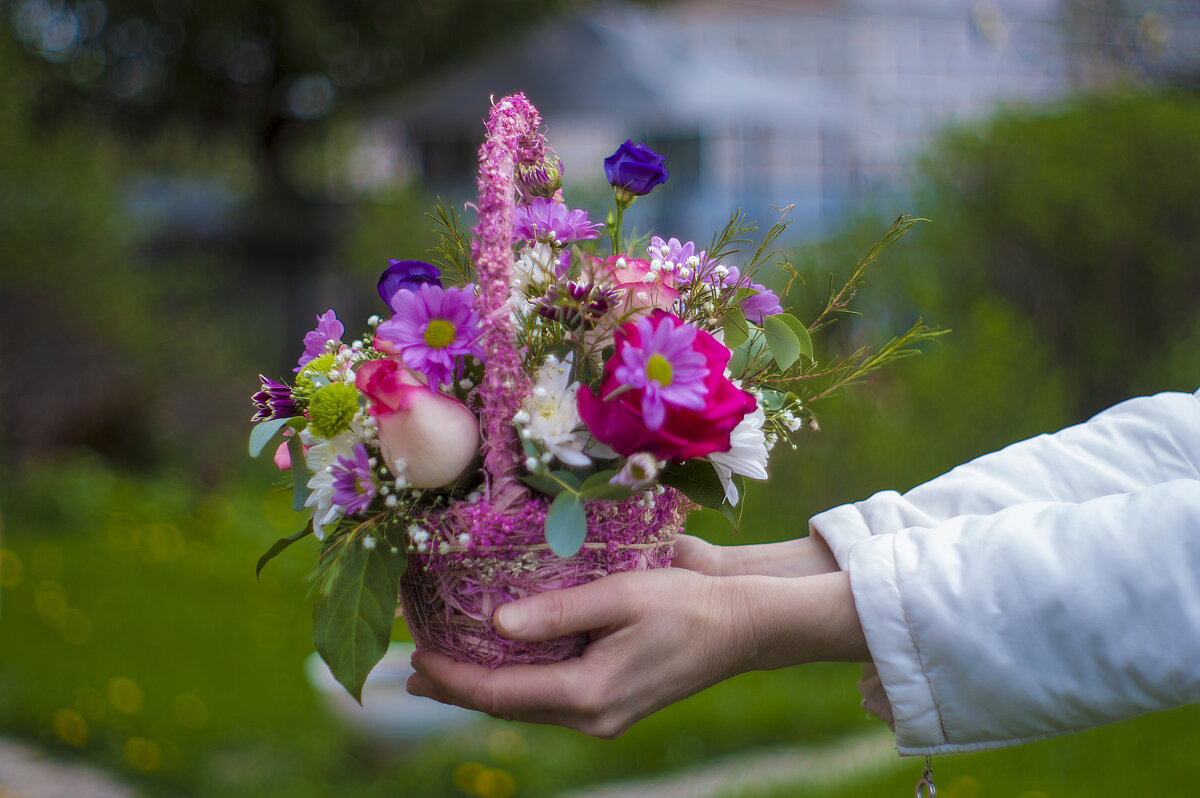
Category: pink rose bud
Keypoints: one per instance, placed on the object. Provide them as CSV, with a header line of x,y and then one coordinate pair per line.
x,y
283,458
435,435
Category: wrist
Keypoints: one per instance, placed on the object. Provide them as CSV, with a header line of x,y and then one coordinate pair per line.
x,y
792,621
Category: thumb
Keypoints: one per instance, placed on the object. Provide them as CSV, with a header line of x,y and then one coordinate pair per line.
x,y
555,613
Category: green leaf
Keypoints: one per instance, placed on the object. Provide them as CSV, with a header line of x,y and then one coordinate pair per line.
x,y
299,473
735,326
263,432
597,486
734,514
280,545
746,354
697,479
566,524
797,327
785,346
548,484
352,621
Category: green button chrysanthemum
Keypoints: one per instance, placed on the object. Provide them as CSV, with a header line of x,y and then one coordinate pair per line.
x,y
332,408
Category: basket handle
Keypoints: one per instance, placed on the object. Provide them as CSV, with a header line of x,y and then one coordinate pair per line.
x,y
513,135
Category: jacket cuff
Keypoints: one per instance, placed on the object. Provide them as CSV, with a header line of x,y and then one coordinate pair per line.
x,y
878,601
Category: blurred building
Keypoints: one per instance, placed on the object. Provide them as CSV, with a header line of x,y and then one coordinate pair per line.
x,y
816,103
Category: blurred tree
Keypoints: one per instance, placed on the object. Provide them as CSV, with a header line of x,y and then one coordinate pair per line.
x,y
1082,226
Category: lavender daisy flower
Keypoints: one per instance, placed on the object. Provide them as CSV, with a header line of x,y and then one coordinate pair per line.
x,y
316,341
681,259
353,481
273,401
665,367
434,329
547,220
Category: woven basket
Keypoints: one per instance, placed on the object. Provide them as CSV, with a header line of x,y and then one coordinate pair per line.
x,y
482,554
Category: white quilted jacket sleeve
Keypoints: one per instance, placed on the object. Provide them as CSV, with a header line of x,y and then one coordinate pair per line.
x,y
1050,587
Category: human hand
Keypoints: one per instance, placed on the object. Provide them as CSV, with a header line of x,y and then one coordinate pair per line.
x,y
658,636
805,556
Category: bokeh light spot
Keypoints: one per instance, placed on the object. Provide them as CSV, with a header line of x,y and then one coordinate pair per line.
x,y
90,703
507,746
50,602
494,783
70,727
466,774
142,754
964,787
190,710
125,695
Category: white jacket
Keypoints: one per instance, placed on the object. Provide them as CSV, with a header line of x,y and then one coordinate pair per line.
x,y
1047,588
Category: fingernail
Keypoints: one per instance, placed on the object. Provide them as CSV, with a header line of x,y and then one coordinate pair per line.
x,y
511,618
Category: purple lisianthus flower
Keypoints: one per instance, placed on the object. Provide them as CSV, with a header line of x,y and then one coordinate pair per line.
x,y
757,307
547,220
406,274
353,481
666,367
316,341
273,401
433,330
635,169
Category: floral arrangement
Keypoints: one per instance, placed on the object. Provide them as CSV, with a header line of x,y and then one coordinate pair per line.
x,y
543,404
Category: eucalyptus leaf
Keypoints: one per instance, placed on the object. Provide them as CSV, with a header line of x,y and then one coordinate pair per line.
x,y
797,327
735,326
747,353
566,524
696,479
280,545
299,473
318,380
785,346
352,621
542,484
263,432
598,486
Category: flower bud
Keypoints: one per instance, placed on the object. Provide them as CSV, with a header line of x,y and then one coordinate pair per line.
x,y
435,435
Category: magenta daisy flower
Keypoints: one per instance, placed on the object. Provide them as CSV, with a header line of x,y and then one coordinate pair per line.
x,y
353,481
547,220
665,367
433,329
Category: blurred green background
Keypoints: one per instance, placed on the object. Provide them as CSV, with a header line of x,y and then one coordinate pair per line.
x,y
1062,252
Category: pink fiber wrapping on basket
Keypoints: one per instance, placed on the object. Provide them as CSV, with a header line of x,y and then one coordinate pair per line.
x,y
513,135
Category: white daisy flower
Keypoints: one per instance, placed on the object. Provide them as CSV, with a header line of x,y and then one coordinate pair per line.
x,y
321,456
747,454
553,420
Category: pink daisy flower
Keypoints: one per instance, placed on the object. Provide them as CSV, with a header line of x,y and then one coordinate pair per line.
x,y
433,329
665,367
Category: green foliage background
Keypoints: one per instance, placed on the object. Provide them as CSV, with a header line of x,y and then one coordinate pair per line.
x,y
1062,253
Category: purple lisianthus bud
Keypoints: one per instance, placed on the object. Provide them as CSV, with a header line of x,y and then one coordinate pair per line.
x,y
273,401
635,168
758,306
408,274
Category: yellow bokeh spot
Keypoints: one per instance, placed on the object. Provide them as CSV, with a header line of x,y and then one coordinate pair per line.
x,y
493,783
507,746
50,601
11,571
70,727
125,695
190,710
90,703
964,787
142,754
161,543
466,774
216,513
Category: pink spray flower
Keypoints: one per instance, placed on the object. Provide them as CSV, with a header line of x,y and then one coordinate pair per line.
x,y
427,438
